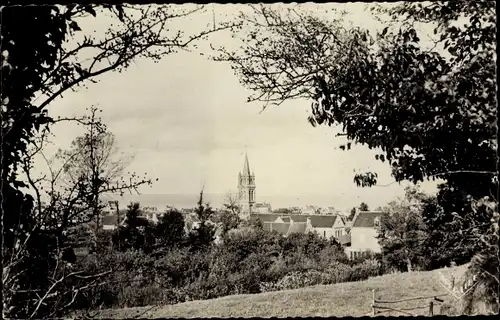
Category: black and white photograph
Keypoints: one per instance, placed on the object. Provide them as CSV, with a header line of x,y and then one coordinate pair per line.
x,y
187,160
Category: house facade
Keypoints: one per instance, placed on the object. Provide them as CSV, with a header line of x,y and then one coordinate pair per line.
x,y
326,225
364,232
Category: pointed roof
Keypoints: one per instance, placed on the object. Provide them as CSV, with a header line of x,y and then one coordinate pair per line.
x,y
246,166
280,227
366,219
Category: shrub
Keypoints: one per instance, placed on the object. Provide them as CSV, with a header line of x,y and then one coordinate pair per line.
x,y
483,273
131,269
330,255
335,273
339,272
365,270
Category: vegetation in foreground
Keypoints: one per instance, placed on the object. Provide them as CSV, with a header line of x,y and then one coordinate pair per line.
x,y
339,300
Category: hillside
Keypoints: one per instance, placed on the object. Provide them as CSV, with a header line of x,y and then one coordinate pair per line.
x,y
339,300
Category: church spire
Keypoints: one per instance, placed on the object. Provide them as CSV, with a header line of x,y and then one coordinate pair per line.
x,y
246,166
246,187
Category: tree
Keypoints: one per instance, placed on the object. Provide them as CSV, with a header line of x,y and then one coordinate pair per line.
x,y
170,230
229,218
352,214
231,203
455,227
363,207
94,158
203,236
66,202
39,64
420,108
403,232
137,233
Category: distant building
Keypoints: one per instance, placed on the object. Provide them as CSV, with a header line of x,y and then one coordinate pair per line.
x,y
262,208
364,234
295,210
246,190
329,226
246,193
170,208
310,210
113,219
282,211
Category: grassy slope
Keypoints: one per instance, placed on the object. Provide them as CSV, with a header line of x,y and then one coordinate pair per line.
x,y
343,299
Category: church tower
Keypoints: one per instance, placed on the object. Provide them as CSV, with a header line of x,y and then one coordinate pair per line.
x,y
246,189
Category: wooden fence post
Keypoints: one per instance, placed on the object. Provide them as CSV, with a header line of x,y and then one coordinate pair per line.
x,y
373,302
431,308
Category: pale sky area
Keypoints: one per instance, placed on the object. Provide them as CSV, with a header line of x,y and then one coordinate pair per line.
x,y
187,122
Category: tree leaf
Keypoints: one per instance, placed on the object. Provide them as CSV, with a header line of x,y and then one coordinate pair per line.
x,y
74,26
90,10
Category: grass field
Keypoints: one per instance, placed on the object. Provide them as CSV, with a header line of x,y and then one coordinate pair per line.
x,y
343,299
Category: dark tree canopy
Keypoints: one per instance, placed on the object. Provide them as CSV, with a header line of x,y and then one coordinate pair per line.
x,y
432,115
170,230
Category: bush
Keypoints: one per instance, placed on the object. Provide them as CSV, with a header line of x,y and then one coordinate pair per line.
x,y
365,270
335,273
131,269
339,272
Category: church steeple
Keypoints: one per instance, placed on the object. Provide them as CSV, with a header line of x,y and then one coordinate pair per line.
x,y
246,187
246,166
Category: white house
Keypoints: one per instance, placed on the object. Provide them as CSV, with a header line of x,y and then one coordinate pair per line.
x,y
328,226
364,234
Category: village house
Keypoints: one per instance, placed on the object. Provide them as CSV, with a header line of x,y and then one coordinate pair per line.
x,y
329,226
325,226
364,234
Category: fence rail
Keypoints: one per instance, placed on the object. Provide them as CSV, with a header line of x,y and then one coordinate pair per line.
x,y
377,309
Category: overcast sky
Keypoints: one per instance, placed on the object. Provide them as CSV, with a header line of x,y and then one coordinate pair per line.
x,y
187,122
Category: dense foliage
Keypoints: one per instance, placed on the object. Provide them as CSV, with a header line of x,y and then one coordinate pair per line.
x,y
247,260
422,108
403,234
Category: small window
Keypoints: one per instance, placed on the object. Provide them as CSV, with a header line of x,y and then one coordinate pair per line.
x,y
324,234
377,222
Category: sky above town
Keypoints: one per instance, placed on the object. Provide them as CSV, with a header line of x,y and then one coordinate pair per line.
x,y
186,122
